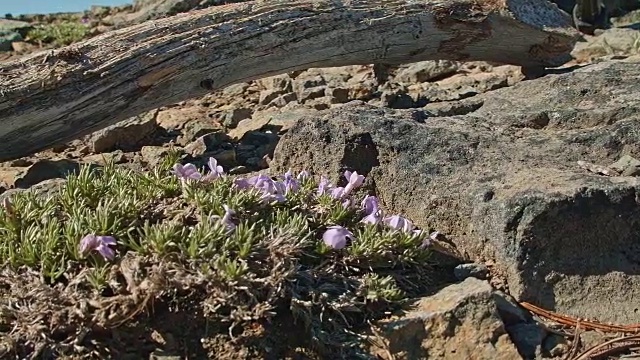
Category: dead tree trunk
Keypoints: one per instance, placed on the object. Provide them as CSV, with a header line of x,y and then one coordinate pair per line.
x,y
50,98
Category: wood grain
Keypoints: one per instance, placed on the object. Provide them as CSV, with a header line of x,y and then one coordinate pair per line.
x,y
49,98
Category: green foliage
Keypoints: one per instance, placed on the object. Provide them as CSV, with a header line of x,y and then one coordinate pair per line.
x,y
273,261
60,34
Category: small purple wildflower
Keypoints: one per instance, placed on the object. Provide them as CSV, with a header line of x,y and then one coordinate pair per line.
x,y
290,183
187,172
399,223
98,243
372,211
370,204
337,192
226,219
336,237
355,181
242,183
324,186
303,175
374,218
216,170
271,190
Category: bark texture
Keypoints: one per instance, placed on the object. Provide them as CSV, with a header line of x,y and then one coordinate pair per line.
x,y
50,98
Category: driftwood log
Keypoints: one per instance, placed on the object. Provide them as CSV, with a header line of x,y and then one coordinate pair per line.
x,y
50,98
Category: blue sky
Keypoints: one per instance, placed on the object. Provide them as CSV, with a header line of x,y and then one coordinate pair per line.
x,y
17,7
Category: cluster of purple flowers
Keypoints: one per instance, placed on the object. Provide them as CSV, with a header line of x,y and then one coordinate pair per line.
x,y
271,190
337,236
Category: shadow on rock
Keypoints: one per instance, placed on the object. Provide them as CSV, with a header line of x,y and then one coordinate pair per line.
x,y
505,185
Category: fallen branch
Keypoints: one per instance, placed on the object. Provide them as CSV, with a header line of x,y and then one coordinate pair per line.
x,y
584,324
51,98
610,348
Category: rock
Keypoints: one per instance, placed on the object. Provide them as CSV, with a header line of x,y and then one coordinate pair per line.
x,y
476,270
614,41
117,157
153,155
12,31
627,166
232,117
206,144
41,170
279,84
45,188
267,96
282,121
7,39
459,322
283,100
424,71
338,95
126,135
226,157
194,130
528,338
510,311
451,108
505,188
310,93
257,122
235,90
176,118
21,47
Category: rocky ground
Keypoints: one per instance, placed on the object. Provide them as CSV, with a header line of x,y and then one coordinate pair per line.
x,y
532,184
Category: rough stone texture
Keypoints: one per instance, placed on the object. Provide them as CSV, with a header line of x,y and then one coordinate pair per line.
x,y
12,31
126,135
503,181
461,321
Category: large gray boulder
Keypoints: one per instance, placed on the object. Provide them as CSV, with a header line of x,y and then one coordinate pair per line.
x,y
501,179
11,31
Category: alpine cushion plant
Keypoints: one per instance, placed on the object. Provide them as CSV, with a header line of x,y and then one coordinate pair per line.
x,y
247,249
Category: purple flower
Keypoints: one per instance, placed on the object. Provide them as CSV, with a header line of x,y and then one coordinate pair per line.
x,y
324,186
290,183
226,219
270,190
399,223
337,192
355,181
186,172
372,211
216,170
100,244
242,183
370,204
303,175
336,237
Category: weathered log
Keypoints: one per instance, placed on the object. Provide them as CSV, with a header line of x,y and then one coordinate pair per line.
x,y
50,98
